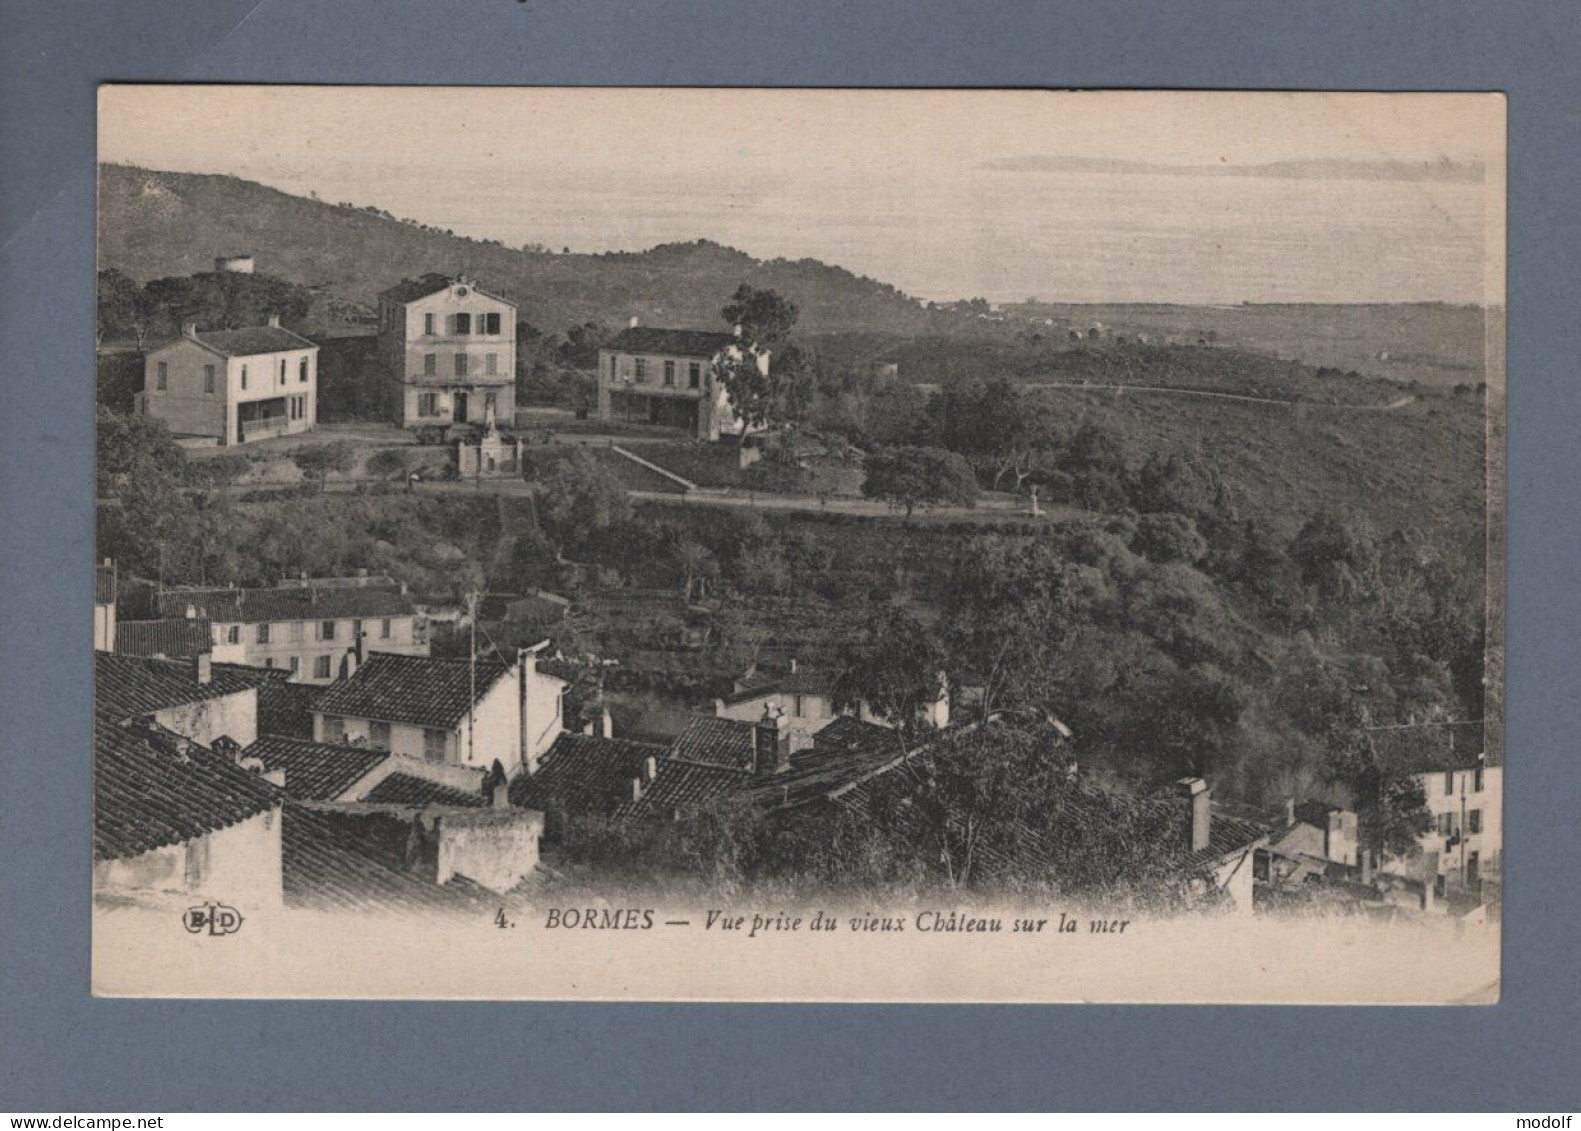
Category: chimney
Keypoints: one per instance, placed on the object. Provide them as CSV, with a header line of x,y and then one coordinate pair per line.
x,y
496,787
606,724
736,329
771,742
274,320
633,323
636,789
189,329
1290,810
1200,799
349,664
793,665
650,769
203,668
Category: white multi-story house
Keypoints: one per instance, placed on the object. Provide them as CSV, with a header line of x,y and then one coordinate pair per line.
x,y
667,377
456,711
317,632
233,386
447,350
1463,850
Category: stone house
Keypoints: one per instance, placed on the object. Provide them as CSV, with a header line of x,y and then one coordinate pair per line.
x,y
447,352
666,377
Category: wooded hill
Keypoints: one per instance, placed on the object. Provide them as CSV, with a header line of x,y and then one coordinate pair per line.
x,y
154,224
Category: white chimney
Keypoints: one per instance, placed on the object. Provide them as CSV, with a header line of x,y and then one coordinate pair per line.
x,y
1200,799
1290,810
274,320
736,329
606,723
189,329
650,769
203,668
633,323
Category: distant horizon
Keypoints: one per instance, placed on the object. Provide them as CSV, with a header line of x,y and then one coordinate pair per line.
x,y
1330,200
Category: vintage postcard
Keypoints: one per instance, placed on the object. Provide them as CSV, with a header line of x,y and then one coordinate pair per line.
x,y
799,545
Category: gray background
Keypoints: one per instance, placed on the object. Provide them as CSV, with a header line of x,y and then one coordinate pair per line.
x,y
61,1050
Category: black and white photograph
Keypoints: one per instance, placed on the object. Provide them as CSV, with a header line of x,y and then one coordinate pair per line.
x,y
799,545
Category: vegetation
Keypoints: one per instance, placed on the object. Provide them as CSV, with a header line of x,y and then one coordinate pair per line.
x,y
908,477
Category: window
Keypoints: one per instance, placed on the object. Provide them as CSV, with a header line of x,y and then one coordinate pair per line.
x,y
268,661
491,323
491,363
694,375
1446,823
428,404
234,635
1473,867
669,373
384,629
491,402
640,365
297,631
461,365
1476,780
296,664
614,367
378,734
301,371
334,725
430,364
208,378
282,371
326,630
797,708
1440,885
162,381
419,631
320,667
463,323
434,744
428,325
244,376
263,634
1449,783
1474,821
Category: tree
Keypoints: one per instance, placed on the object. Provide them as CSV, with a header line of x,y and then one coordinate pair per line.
x,y
316,461
1165,538
123,308
895,671
908,476
750,389
699,568
766,319
577,495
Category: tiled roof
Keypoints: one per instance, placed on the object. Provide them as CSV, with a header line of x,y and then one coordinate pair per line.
x,y
287,603
152,788
679,343
1429,748
713,741
408,789
584,774
420,690
356,860
286,708
252,340
799,682
128,686
681,787
176,638
844,753
104,585
410,290
314,771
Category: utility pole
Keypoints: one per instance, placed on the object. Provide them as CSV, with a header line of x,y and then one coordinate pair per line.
x,y
472,670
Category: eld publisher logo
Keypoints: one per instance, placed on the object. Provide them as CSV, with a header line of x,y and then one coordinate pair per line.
x,y
215,918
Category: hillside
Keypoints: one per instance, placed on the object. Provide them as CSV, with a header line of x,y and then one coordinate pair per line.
x,y
154,224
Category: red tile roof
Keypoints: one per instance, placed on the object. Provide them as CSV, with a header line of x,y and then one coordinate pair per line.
x,y
683,787
252,340
287,603
408,789
1429,748
419,690
153,788
315,771
130,686
677,343
175,638
713,741
584,774
349,860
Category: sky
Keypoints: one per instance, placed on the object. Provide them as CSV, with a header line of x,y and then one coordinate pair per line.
x,y
1068,197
